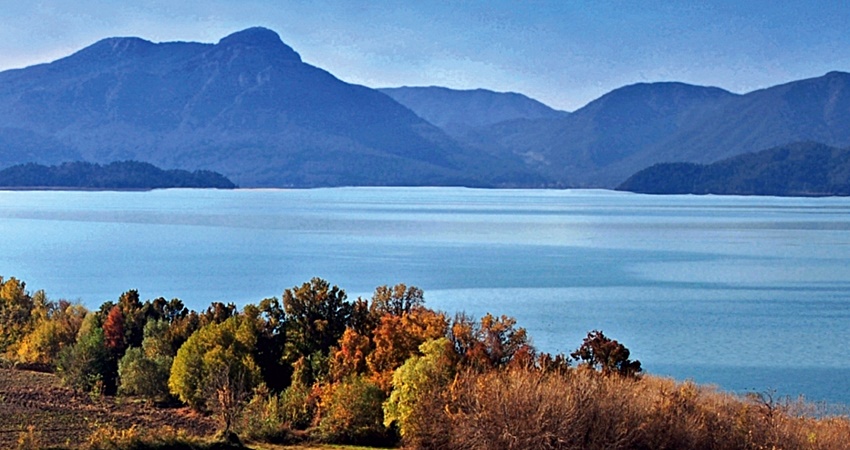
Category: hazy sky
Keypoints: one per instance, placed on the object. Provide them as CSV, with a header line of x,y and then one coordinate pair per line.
x,y
564,53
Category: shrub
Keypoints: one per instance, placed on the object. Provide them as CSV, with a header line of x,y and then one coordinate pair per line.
x,y
144,376
263,419
515,409
298,405
583,409
30,439
351,413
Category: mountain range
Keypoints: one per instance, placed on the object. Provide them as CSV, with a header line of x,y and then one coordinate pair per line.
x,y
247,107
250,108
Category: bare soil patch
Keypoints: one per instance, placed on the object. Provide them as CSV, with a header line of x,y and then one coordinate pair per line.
x,y
62,417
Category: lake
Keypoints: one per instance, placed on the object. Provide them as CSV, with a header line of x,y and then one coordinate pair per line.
x,y
750,293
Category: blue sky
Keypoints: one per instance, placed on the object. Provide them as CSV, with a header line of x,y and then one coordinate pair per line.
x,y
564,53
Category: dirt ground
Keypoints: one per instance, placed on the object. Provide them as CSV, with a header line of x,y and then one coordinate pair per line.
x,y
61,417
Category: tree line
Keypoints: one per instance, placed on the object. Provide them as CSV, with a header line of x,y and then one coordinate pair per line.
x,y
312,361
316,365
116,175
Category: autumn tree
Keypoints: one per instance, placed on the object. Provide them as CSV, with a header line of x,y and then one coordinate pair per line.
x,y
351,413
607,355
397,338
349,357
218,312
397,300
113,331
16,306
52,334
493,342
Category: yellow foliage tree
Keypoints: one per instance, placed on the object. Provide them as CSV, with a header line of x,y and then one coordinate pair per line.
x,y
216,364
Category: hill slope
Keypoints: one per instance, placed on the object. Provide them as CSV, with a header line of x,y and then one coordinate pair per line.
x,y
805,169
587,148
455,110
247,107
62,417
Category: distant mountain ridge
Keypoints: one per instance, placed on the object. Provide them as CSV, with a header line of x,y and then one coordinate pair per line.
x,y
803,169
250,108
452,109
637,126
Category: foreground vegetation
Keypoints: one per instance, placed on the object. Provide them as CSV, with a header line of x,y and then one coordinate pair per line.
x,y
314,367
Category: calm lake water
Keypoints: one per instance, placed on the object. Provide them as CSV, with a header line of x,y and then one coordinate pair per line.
x,y
752,294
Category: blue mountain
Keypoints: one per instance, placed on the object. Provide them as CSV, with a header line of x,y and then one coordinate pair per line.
x,y
247,107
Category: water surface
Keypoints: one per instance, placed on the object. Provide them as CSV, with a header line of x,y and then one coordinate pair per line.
x,y
747,292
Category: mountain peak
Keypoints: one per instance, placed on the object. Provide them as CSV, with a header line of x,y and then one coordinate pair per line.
x,y
262,38
837,74
116,47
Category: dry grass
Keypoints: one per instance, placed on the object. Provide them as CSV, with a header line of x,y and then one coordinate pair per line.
x,y
520,409
510,409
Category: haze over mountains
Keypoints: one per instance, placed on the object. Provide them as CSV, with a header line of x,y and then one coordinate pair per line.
x,y
249,108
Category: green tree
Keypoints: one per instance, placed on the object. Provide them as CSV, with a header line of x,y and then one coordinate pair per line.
x,y
135,316
84,365
157,341
269,352
144,371
316,315
142,376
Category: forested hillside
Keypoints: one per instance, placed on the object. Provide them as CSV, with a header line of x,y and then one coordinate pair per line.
x,y
805,169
